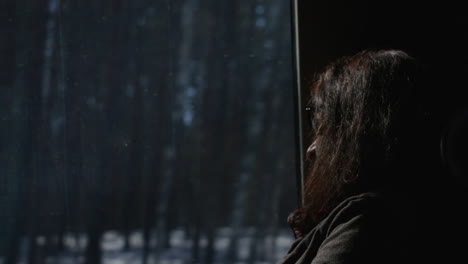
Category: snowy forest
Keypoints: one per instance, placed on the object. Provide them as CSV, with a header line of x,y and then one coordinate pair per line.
x,y
146,131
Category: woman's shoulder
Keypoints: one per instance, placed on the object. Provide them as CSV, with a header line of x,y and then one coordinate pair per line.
x,y
368,207
357,230
362,199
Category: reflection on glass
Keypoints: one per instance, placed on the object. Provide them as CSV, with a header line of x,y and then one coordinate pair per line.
x,y
145,131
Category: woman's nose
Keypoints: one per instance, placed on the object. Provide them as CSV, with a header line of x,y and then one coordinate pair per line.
x,y
312,148
311,152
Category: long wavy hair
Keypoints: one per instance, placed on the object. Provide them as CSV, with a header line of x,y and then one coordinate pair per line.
x,y
365,115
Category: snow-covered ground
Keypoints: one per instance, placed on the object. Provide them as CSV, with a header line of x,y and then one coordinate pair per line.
x,y
179,252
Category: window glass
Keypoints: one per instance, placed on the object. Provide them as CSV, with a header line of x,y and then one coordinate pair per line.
x,y
142,131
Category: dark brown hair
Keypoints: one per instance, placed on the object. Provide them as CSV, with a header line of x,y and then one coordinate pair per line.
x,y
365,115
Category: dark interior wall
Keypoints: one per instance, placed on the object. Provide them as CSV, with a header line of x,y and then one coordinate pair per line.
x,y
428,31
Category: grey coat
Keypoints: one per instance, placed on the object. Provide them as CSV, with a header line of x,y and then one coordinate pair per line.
x,y
362,229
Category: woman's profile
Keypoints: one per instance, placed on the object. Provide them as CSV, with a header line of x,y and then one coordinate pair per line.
x,y
366,164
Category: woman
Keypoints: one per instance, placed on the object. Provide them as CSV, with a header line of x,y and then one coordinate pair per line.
x,y
363,203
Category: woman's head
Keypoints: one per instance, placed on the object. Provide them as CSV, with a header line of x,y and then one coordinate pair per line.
x,y
364,114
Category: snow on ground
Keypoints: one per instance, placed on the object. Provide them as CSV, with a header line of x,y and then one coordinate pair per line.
x,y
179,252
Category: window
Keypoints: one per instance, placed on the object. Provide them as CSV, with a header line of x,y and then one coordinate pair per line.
x,y
146,131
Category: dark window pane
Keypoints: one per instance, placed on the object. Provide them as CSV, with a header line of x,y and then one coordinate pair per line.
x,y
146,131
